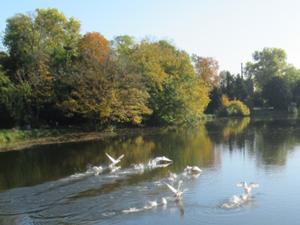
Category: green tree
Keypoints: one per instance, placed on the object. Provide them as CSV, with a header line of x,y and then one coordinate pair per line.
x,y
296,93
277,93
123,45
176,93
6,89
240,88
268,63
14,100
227,84
215,101
47,35
38,45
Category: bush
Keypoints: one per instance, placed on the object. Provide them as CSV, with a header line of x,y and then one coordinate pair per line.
x,y
233,108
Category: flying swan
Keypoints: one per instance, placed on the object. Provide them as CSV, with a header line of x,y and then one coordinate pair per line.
x,y
177,192
114,162
247,187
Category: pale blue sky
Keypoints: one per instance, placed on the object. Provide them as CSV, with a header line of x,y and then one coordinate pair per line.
x,y
228,30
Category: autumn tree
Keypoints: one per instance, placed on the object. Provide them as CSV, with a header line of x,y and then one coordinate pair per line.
x,y
207,68
94,46
105,91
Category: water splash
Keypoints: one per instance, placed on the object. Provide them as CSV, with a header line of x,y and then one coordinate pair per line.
x,y
148,206
236,201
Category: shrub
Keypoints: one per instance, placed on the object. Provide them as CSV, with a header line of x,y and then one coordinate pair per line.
x,y
233,108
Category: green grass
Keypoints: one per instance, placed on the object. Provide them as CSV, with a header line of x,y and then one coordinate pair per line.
x,y
15,135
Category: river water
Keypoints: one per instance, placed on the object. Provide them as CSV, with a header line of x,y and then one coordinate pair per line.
x,y
57,184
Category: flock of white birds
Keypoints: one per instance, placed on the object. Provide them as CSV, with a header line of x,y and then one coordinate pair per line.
x,y
193,171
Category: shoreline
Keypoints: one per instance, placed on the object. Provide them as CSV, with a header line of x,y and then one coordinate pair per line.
x,y
16,140
72,137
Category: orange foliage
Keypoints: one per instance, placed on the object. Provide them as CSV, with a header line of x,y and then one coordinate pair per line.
x,y
94,46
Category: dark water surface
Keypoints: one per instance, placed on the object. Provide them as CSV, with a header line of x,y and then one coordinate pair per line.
x,y
55,185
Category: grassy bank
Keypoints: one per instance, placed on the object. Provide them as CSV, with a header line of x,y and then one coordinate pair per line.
x,y
13,135
15,139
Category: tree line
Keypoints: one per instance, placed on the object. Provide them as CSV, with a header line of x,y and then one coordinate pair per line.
x,y
51,74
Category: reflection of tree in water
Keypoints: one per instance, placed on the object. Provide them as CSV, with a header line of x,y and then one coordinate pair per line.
x,y
187,146
231,132
137,149
269,140
235,127
274,141
40,164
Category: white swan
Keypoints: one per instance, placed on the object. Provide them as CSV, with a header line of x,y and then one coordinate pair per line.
x,y
140,167
247,187
236,201
177,192
192,170
114,162
97,170
160,161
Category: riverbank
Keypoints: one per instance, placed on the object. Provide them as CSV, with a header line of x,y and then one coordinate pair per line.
x,y
18,139
14,139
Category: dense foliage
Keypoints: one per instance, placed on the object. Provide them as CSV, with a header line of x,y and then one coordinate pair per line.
x,y
267,82
276,81
51,74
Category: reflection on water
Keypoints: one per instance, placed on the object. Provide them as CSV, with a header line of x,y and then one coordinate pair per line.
x,y
55,185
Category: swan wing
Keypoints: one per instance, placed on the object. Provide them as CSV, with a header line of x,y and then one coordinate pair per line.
x,y
197,169
163,165
121,157
111,158
171,188
166,159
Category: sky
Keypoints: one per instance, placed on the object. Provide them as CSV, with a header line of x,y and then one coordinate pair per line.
x,y
227,30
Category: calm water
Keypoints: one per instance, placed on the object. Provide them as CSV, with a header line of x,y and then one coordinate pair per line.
x,y
54,185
